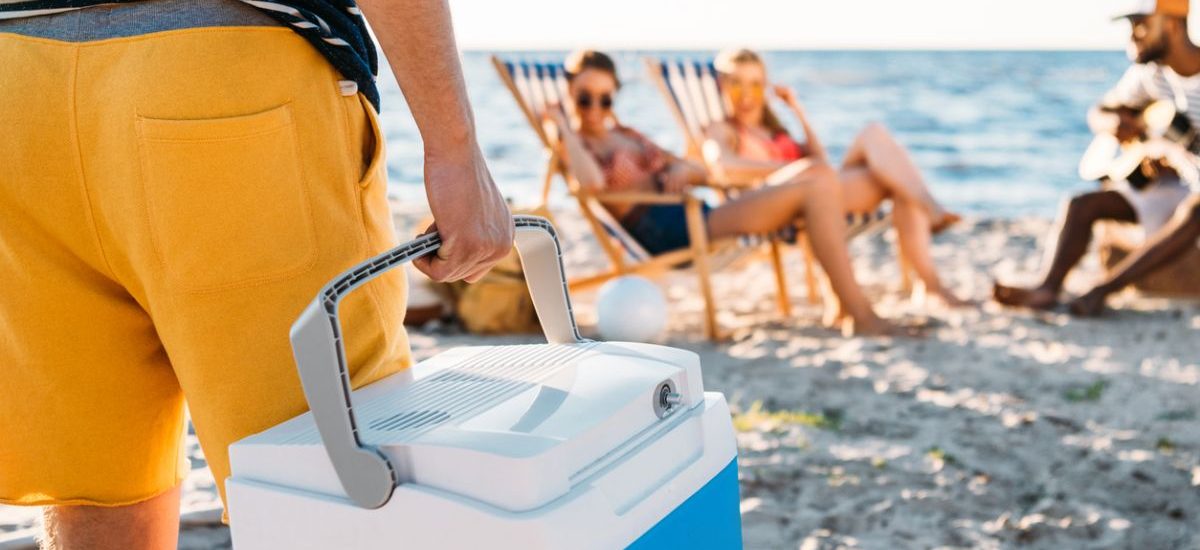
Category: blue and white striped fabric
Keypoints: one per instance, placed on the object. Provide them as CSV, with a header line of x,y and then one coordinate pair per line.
x,y
336,28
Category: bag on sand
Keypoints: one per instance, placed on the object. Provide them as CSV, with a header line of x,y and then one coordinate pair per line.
x,y
499,303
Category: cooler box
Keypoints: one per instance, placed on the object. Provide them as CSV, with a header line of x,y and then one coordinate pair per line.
x,y
570,444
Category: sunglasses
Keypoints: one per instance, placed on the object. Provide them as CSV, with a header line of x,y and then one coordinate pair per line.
x,y
736,91
585,101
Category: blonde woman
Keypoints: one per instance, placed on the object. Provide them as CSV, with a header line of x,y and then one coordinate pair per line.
x,y
753,144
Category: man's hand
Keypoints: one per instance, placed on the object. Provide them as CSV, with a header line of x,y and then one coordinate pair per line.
x,y
1126,123
471,216
1130,125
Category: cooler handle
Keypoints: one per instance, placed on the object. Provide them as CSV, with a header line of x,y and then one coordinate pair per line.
x,y
365,473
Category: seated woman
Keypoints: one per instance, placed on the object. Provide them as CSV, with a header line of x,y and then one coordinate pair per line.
x,y
607,157
752,145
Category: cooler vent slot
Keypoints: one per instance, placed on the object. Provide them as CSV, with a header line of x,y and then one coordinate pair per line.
x,y
409,420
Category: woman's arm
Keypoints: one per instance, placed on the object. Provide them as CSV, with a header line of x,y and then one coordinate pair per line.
x,y
720,153
682,174
813,144
579,160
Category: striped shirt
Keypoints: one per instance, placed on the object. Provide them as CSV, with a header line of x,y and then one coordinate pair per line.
x,y
336,28
1144,83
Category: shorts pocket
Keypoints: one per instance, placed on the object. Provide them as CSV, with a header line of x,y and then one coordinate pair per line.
x,y
226,199
373,145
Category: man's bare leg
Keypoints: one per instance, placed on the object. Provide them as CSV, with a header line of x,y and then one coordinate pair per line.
x,y
149,525
1073,239
1164,247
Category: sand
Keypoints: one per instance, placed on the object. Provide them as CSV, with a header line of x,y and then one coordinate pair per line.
x,y
999,429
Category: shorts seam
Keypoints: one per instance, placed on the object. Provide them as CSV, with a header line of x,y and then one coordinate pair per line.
x,y
87,198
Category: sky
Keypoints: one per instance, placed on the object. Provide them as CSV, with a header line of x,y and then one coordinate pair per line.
x,y
794,24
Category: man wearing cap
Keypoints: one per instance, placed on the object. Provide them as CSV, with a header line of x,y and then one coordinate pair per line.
x,y
1166,67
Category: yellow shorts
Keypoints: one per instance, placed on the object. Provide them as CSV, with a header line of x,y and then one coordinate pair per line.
x,y
169,203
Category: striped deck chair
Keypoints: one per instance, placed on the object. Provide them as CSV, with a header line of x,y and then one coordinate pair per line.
x,y
540,86
692,91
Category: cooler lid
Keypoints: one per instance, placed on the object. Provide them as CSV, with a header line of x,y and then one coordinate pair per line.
x,y
510,426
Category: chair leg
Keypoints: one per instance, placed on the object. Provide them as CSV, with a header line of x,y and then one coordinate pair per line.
x,y
810,271
699,241
781,291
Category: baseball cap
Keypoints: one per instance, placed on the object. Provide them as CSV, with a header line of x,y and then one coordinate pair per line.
x,y
1175,8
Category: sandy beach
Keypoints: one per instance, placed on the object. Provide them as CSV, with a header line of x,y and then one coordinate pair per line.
x,y
998,429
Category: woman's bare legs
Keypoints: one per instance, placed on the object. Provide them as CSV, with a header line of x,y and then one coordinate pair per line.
x,y
914,236
890,164
816,196
863,192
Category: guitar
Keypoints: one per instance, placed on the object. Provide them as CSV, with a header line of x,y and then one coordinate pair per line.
x,y
1168,140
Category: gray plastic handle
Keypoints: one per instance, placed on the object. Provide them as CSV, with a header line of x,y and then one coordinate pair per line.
x,y
366,474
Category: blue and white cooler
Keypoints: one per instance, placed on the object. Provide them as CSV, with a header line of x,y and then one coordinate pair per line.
x,y
570,444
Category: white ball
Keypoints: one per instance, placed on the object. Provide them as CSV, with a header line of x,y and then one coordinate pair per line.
x,y
630,309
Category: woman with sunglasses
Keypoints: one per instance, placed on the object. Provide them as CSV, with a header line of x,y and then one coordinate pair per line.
x,y
605,156
753,144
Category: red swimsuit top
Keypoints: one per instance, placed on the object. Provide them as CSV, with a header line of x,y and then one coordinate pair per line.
x,y
781,147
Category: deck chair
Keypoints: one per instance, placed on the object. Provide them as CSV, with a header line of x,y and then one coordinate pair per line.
x,y
540,86
692,92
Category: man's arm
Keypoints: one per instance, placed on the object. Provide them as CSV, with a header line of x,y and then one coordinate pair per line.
x,y
468,211
1112,114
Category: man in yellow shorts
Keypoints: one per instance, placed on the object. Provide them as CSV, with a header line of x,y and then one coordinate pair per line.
x,y
177,180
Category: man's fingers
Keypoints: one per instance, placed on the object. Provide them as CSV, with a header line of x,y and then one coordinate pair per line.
x,y
444,268
436,269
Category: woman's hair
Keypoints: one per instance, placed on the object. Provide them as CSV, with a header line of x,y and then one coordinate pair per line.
x,y
582,60
728,60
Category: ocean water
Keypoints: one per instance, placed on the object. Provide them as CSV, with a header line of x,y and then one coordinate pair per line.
x,y
996,133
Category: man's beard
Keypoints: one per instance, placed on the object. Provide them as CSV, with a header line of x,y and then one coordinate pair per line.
x,y
1151,54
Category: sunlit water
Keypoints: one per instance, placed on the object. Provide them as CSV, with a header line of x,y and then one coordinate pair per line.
x,y
997,133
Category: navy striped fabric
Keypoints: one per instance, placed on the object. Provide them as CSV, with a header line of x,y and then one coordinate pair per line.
x,y
336,28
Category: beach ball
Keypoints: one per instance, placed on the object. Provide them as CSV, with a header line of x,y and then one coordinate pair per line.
x,y
631,309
